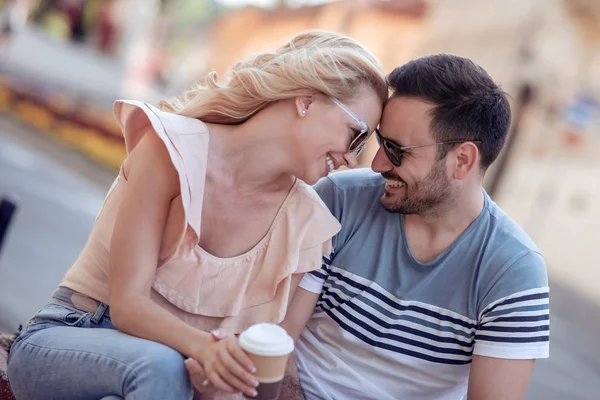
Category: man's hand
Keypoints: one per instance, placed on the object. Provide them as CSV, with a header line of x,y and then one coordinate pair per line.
x,y
498,378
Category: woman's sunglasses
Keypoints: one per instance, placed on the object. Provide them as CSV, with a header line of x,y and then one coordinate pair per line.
x,y
359,141
394,151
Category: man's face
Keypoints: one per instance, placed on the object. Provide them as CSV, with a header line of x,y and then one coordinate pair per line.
x,y
421,184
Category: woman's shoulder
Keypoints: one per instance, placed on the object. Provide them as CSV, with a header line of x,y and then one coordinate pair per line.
x,y
306,196
135,114
185,140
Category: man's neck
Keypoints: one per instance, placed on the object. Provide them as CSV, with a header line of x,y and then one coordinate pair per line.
x,y
429,235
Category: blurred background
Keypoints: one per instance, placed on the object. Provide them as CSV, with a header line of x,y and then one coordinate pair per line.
x,y
63,63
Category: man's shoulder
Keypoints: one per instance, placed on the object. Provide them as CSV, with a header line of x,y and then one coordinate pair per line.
x,y
353,197
351,180
512,263
358,189
505,231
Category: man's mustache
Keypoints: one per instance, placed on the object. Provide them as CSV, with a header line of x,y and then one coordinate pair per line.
x,y
392,176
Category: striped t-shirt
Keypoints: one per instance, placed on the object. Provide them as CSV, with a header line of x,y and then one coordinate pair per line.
x,y
389,327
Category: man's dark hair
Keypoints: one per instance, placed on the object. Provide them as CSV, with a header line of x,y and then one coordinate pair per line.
x,y
467,104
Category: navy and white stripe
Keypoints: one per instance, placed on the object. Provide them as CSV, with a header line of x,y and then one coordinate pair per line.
x,y
522,317
375,316
322,272
378,318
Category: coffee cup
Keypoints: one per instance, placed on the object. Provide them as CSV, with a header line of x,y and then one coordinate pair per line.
x,y
268,346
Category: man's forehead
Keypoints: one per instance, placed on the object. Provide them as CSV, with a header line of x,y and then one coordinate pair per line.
x,y
406,119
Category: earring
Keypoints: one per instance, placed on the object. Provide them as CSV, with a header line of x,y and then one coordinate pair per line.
x,y
303,113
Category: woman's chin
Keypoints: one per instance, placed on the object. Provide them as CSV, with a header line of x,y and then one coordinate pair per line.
x,y
311,178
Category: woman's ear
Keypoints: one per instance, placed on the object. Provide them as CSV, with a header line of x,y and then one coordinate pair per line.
x,y
302,104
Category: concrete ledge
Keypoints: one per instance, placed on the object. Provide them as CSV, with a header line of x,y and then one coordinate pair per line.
x,y
5,392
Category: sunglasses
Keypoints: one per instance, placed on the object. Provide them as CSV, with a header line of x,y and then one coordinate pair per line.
x,y
394,151
359,141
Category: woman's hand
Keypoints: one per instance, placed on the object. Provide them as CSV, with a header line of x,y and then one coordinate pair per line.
x,y
222,365
198,377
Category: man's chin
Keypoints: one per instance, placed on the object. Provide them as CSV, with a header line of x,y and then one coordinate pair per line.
x,y
388,203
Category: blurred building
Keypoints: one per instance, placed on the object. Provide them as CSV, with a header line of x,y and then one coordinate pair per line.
x,y
546,54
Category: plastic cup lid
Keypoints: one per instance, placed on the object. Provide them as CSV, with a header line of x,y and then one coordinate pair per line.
x,y
266,340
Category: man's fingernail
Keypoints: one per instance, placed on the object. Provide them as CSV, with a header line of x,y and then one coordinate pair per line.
x,y
216,332
253,369
256,383
254,393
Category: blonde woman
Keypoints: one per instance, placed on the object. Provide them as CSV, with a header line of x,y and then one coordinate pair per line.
x,y
210,225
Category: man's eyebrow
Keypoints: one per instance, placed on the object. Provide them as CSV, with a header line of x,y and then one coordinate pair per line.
x,y
388,139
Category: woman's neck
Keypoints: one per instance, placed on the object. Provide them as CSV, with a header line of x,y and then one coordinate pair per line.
x,y
253,156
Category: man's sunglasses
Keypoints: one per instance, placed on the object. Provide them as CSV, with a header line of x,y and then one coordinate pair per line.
x,y
394,151
359,141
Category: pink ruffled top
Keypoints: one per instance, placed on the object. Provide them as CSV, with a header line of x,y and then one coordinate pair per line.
x,y
207,291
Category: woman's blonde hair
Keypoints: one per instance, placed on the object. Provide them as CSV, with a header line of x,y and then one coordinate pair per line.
x,y
312,62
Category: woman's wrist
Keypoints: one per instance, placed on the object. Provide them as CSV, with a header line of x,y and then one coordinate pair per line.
x,y
196,342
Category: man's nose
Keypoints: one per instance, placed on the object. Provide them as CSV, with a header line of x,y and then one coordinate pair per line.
x,y
381,162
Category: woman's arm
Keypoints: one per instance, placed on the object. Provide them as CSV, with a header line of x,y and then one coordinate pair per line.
x,y
152,183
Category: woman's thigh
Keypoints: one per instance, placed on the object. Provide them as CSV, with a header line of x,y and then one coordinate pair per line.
x,y
66,362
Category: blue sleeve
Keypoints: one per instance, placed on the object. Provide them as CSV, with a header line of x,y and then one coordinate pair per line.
x,y
514,321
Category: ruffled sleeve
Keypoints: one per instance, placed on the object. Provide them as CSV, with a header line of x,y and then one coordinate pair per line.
x,y
186,140
315,226
297,245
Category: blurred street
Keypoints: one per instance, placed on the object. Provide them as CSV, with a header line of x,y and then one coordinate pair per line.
x,y
59,193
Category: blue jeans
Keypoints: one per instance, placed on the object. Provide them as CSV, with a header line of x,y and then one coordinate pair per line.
x,y
67,353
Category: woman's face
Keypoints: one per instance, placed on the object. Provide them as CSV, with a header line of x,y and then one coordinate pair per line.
x,y
326,128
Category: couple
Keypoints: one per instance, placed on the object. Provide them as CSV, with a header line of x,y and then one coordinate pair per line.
x,y
407,281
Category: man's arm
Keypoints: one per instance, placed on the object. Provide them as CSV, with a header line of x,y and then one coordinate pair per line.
x,y
498,378
513,330
299,312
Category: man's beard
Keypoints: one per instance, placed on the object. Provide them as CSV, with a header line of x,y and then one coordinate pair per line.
x,y
425,197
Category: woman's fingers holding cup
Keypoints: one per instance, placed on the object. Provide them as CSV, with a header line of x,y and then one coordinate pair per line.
x,y
219,383
240,355
228,377
229,362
